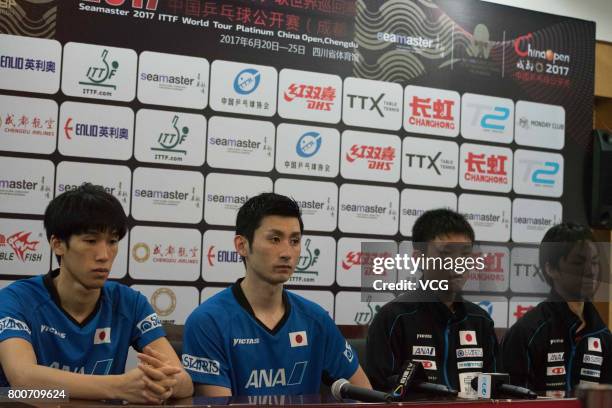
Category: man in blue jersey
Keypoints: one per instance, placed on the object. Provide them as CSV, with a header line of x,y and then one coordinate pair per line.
x,y
255,337
71,329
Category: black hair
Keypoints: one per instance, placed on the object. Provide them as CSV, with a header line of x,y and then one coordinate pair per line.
x,y
256,208
86,208
563,237
439,222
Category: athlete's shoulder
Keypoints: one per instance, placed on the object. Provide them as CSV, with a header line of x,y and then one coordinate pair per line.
x,y
219,307
29,290
305,306
475,311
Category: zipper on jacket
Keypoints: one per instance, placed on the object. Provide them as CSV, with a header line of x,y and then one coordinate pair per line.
x,y
444,364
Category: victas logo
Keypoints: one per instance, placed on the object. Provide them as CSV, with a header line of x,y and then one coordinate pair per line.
x,y
317,98
309,144
245,342
378,157
100,76
523,48
247,81
23,248
169,141
222,256
136,4
94,130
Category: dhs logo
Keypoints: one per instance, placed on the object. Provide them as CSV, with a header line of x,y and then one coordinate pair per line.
x,y
247,81
149,323
308,144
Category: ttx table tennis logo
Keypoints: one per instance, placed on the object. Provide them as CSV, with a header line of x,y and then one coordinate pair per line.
x,y
23,248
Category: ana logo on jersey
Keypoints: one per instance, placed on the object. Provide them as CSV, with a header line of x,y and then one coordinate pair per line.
x,y
467,338
247,81
274,377
423,351
594,344
102,336
555,357
308,144
298,339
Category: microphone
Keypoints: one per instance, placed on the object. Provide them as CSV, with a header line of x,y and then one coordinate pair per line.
x,y
341,389
495,385
413,378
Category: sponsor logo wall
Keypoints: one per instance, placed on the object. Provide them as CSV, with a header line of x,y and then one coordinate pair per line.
x,y
182,139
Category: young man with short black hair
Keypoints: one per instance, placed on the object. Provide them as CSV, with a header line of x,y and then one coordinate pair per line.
x,y
71,329
255,337
454,339
562,342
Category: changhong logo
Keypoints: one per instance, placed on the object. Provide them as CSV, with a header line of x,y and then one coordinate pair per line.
x,y
173,137
99,75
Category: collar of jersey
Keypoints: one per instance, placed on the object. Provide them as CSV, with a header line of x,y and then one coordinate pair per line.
x,y
244,303
48,281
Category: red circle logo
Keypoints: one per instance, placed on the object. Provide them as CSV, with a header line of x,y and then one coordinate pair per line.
x,y
596,344
102,335
298,338
468,337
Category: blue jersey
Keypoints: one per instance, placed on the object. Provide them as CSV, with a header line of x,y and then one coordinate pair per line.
x,y
99,345
224,344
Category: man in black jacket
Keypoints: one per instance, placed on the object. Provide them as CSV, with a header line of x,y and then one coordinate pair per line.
x,y
562,342
454,339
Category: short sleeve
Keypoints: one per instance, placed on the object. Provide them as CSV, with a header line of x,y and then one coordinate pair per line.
x,y
148,327
340,360
13,321
204,355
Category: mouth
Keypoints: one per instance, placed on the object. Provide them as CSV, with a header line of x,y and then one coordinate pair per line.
x,y
101,270
283,268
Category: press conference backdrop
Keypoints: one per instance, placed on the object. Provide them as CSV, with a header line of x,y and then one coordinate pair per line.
x,y
367,113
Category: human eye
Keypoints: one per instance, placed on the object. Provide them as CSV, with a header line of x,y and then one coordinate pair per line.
x,y
296,241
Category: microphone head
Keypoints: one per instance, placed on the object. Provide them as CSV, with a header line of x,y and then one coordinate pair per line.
x,y
336,388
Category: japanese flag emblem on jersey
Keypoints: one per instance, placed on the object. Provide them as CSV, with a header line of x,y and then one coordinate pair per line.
x,y
467,338
298,339
102,336
594,344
